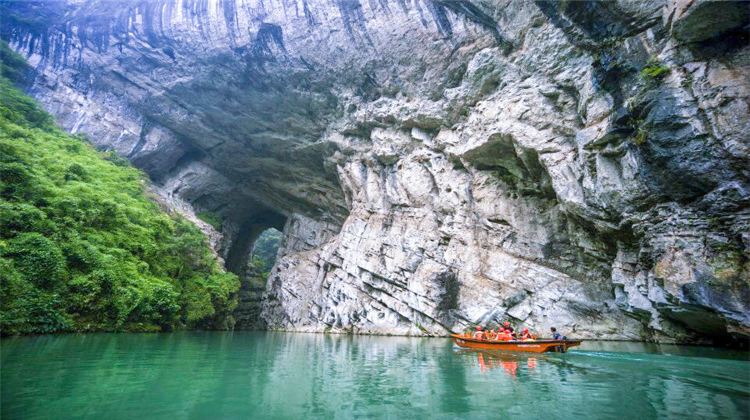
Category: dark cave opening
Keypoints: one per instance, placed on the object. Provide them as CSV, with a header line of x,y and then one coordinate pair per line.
x,y
251,256
263,254
244,240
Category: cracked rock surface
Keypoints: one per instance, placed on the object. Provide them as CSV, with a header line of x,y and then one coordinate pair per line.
x,y
434,163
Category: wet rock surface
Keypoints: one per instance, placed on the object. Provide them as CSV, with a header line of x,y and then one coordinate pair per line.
x,y
434,163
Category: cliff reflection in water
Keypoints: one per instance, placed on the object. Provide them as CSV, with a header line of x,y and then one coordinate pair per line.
x,y
283,375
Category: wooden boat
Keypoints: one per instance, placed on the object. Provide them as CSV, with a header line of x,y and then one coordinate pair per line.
x,y
531,346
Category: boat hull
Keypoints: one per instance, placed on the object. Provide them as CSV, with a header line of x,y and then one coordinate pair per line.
x,y
535,346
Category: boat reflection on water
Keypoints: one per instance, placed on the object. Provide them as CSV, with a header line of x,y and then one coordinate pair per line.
x,y
508,363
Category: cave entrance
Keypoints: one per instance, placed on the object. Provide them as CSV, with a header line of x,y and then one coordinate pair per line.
x,y
251,257
244,239
263,256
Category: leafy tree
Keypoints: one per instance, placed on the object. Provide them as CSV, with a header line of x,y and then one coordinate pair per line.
x,y
82,248
266,247
38,259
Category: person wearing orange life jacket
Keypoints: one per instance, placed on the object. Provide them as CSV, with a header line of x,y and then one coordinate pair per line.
x,y
526,335
504,335
490,335
479,334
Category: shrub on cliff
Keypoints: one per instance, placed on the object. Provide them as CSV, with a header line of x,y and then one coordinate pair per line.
x,y
83,249
654,70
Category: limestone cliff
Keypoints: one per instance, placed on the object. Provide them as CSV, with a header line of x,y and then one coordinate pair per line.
x,y
435,163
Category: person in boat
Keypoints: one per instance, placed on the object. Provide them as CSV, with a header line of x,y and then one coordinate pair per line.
x,y
479,334
504,335
490,335
526,335
509,329
512,334
556,335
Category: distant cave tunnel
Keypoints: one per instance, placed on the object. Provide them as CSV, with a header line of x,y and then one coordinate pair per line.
x,y
264,253
267,226
240,251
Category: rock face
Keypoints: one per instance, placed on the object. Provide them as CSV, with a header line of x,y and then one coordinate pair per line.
x,y
435,163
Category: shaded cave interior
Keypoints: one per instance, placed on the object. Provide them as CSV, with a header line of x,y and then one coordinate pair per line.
x,y
251,256
241,251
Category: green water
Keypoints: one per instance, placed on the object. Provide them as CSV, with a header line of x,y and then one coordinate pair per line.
x,y
285,375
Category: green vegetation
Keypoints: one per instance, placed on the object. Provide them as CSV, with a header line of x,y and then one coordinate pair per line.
x,y
12,66
257,274
263,257
266,247
637,105
211,218
641,136
83,249
655,70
